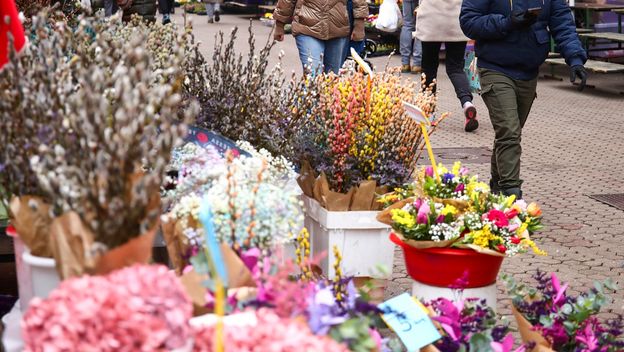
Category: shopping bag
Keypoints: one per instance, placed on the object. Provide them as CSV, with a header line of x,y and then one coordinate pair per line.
x,y
390,18
470,68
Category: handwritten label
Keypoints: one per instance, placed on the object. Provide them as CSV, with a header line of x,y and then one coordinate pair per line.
x,y
408,318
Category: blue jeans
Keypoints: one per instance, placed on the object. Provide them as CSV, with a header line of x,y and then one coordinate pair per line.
x,y
315,53
211,8
410,48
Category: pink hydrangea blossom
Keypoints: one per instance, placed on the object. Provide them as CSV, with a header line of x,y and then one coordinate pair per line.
x,y
269,333
140,308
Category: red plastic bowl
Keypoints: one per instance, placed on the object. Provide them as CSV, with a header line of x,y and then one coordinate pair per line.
x,y
449,267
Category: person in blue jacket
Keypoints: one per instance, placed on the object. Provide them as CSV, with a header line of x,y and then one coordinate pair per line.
x,y
512,41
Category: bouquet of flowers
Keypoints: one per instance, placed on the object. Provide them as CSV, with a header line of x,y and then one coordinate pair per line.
x,y
457,210
503,225
552,320
357,133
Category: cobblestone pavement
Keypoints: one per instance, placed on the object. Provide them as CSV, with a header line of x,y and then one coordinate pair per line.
x,y
573,147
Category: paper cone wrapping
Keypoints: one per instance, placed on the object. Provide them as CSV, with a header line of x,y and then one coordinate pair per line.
x,y
176,240
136,251
385,216
461,205
360,198
429,348
481,249
71,244
240,281
30,216
529,335
306,179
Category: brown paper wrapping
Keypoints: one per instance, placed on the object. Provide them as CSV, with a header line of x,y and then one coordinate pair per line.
x,y
385,216
461,205
379,191
424,244
429,348
364,196
481,249
306,179
335,201
136,251
31,218
176,241
529,335
240,281
71,243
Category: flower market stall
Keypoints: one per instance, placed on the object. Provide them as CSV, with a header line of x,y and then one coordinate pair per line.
x,y
275,208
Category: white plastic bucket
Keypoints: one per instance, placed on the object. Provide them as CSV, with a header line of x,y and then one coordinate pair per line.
x,y
43,277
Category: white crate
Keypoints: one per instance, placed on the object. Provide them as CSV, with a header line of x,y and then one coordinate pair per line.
x,y
362,240
428,293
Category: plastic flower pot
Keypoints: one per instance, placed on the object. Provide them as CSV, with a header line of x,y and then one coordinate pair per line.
x,y
36,276
449,267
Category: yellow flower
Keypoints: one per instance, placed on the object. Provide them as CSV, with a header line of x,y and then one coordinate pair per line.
x,y
476,187
449,209
533,246
441,169
510,200
456,167
403,217
482,237
387,198
522,230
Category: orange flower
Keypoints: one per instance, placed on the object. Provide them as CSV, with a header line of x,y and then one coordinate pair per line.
x,y
534,210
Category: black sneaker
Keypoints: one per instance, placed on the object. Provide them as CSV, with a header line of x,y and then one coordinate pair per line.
x,y
516,191
217,18
470,112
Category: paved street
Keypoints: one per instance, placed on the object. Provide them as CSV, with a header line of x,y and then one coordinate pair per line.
x,y
573,145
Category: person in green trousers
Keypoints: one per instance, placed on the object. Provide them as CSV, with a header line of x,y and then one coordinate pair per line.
x,y
512,41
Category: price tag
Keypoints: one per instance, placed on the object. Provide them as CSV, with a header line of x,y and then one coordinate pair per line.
x,y
416,114
410,321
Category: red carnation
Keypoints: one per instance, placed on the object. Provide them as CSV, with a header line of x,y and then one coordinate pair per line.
x,y
498,218
501,248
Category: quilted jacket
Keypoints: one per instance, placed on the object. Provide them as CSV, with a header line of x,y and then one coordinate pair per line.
x,y
321,19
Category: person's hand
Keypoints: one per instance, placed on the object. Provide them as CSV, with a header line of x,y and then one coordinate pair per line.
x,y
278,34
522,19
358,30
578,71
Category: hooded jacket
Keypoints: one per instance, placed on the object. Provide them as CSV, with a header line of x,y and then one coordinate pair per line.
x,y
519,53
321,19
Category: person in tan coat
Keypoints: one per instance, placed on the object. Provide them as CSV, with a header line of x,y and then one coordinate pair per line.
x,y
321,29
437,22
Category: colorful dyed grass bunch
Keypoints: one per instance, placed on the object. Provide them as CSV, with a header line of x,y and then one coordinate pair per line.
x,y
564,322
359,130
458,210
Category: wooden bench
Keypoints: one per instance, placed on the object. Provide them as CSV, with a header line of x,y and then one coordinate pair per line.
x,y
611,36
593,65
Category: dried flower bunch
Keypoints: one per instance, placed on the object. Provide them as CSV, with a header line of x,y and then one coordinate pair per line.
x,y
118,124
240,98
358,130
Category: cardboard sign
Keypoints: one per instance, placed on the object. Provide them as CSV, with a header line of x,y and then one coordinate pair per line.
x,y
409,319
416,114
204,137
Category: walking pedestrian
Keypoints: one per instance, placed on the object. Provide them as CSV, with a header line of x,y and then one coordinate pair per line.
x,y
512,41
410,47
322,30
437,23
165,7
213,10
110,7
